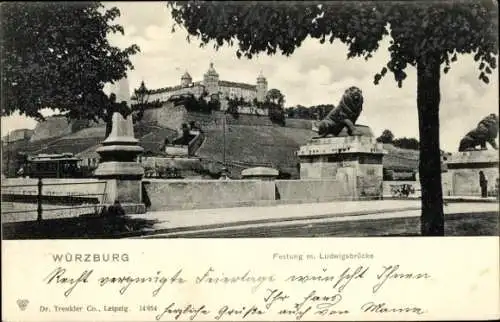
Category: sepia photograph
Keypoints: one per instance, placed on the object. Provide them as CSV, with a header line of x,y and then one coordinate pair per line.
x,y
200,119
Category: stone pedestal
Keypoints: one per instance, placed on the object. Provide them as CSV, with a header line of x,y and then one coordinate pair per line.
x,y
118,164
355,159
260,173
462,176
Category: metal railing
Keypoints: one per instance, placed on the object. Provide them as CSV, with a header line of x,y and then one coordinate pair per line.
x,y
72,202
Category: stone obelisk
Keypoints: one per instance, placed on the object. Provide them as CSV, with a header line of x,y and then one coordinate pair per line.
x,y
118,164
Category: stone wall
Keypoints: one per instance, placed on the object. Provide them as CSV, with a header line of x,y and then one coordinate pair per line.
x,y
366,178
446,183
319,168
313,190
454,184
197,194
178,150
463,172
193,194
465,182
369,180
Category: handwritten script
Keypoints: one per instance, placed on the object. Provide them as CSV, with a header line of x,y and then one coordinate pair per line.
x,y
328,291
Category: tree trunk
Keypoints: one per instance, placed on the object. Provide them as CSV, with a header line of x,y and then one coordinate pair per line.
x,y
428,97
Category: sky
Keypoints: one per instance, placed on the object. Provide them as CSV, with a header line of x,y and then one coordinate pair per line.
x,y
315,74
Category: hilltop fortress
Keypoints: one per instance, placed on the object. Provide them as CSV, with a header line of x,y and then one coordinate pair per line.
x,y
213,86
249,139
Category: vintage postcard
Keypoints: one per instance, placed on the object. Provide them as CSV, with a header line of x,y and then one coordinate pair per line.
x,y
250,161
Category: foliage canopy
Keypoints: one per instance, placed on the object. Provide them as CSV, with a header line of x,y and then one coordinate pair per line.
x,y
56,55
420,30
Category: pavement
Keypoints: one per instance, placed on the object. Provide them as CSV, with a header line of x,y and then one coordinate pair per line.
x,y
450,198
169,223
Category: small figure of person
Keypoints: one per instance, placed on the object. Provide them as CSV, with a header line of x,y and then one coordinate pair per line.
x,y
166,142
145,196
115,218
186,134
405,191
116,210
224,174
483,183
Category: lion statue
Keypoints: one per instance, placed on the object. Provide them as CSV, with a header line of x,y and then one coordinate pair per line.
x,y
342,116
486,131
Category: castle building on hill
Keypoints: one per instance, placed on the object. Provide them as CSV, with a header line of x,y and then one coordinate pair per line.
x,y
212,84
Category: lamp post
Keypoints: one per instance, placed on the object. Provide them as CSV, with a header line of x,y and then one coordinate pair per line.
x,y
8,155
39,209
224,138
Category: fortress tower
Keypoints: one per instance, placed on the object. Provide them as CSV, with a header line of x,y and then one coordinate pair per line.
x,y
186,79
261,88
211,80
213,85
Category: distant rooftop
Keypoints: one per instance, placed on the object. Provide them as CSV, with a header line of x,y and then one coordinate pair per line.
x,y
172,88
237,85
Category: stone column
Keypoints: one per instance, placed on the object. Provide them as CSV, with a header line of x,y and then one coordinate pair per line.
x,y
118,164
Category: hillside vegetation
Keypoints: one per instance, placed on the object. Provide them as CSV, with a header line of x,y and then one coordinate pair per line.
x,y
250,141
400,159
150,136
249,146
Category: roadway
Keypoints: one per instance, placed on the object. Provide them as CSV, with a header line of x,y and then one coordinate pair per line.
x,y
347,218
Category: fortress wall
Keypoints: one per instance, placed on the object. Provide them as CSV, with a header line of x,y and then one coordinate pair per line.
x,y
168,115
57,126
173,116
215,119
52,127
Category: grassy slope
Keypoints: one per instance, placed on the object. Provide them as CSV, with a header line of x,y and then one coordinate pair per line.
x,y
400,159
276,146
151,137
256,146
